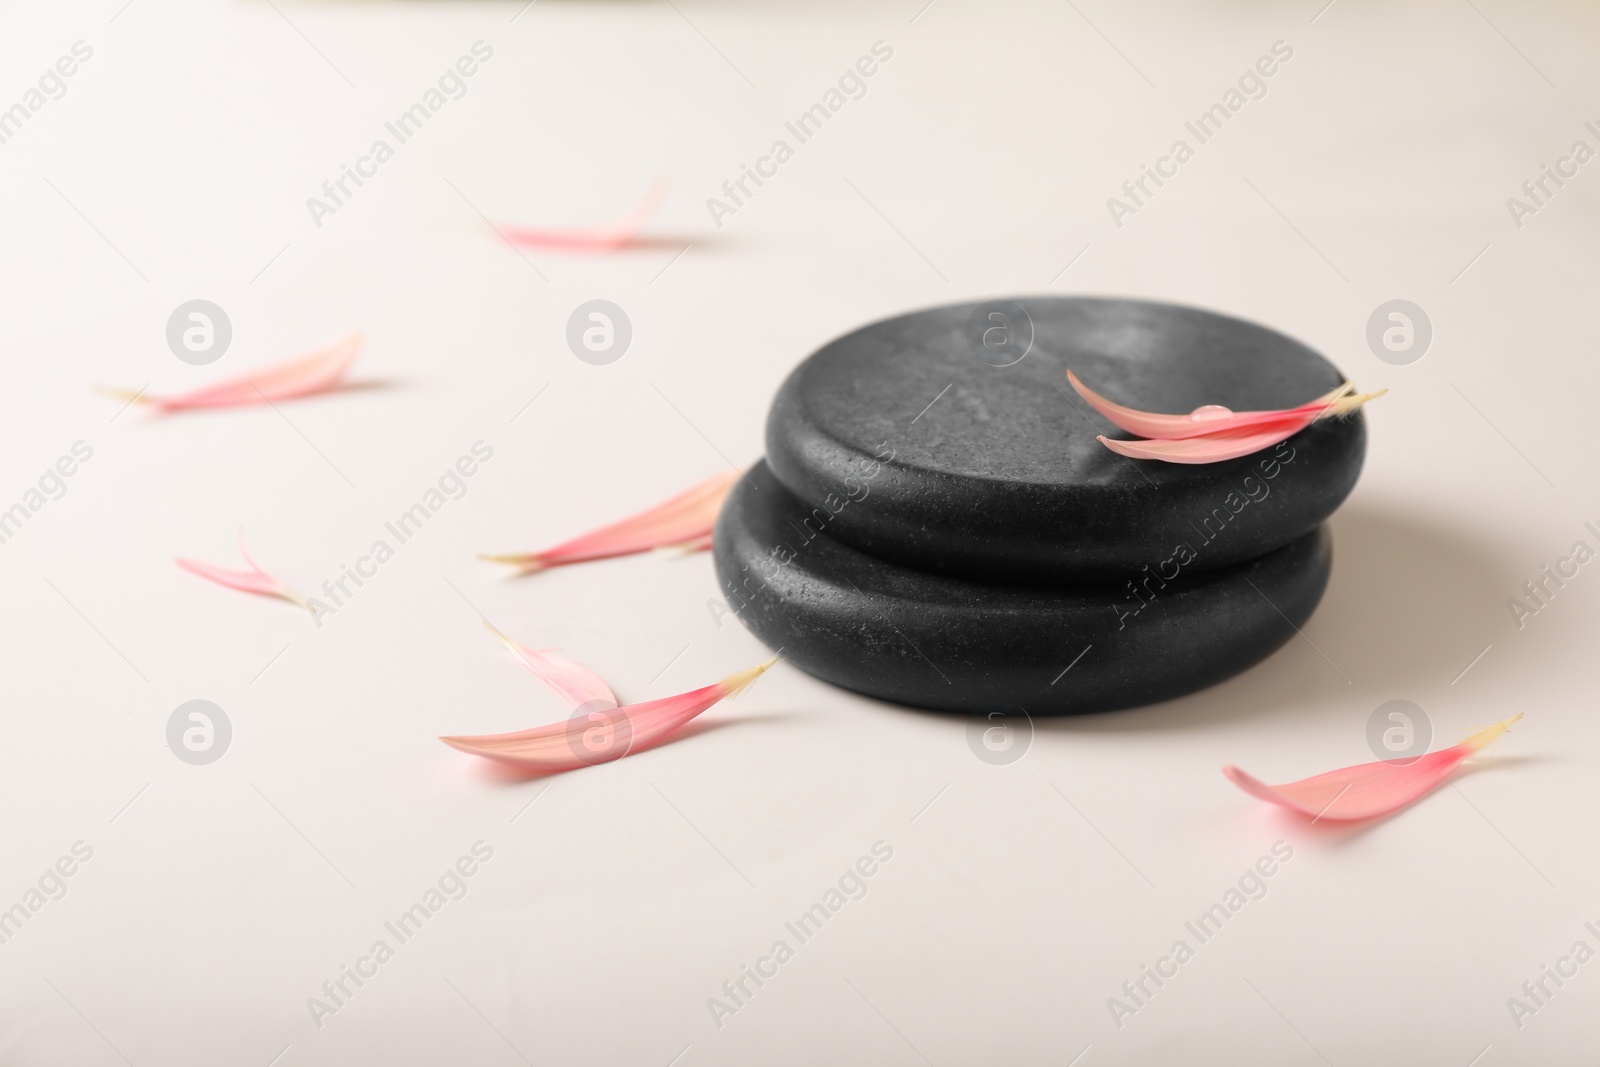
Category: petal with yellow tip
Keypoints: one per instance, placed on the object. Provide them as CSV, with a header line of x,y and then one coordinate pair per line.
x,y
599,735
1368,790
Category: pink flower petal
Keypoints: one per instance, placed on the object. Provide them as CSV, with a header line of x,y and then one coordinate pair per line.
x,y
572,681
1213,418
599,735
255,580
315,373
1368,790
685,521
615,234
1212,447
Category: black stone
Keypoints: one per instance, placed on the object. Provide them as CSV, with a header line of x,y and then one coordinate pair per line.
x,y
958,466
955,644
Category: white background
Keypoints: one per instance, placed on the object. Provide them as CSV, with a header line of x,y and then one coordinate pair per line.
x,y
177,166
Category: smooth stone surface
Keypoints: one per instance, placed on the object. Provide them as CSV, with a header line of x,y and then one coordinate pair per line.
x,y
999,476
954,644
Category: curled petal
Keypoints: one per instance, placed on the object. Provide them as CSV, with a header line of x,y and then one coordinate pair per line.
x,y
255,580
1368,790
599,735
572,681
685,521
615,234
1214,418
315,373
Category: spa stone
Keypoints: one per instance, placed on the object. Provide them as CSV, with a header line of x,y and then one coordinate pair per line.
x,y
954,644
949,440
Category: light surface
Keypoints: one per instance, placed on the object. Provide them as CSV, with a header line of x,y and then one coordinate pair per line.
x,y
1019,898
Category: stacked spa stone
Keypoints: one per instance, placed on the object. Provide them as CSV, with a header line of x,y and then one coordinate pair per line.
x,y
936,524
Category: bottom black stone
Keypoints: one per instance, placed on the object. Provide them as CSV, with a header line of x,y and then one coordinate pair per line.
x,y
950,644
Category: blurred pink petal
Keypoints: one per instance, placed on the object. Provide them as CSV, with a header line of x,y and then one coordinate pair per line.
x,y
694,544
572,681
599,735
615,234
315,373
685,521
255,580
1368,790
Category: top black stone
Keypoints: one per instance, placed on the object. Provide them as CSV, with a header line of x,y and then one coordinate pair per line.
x,y
922,450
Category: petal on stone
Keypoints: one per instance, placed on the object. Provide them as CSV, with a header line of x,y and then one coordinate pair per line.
x,y
1213,418
1212,447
